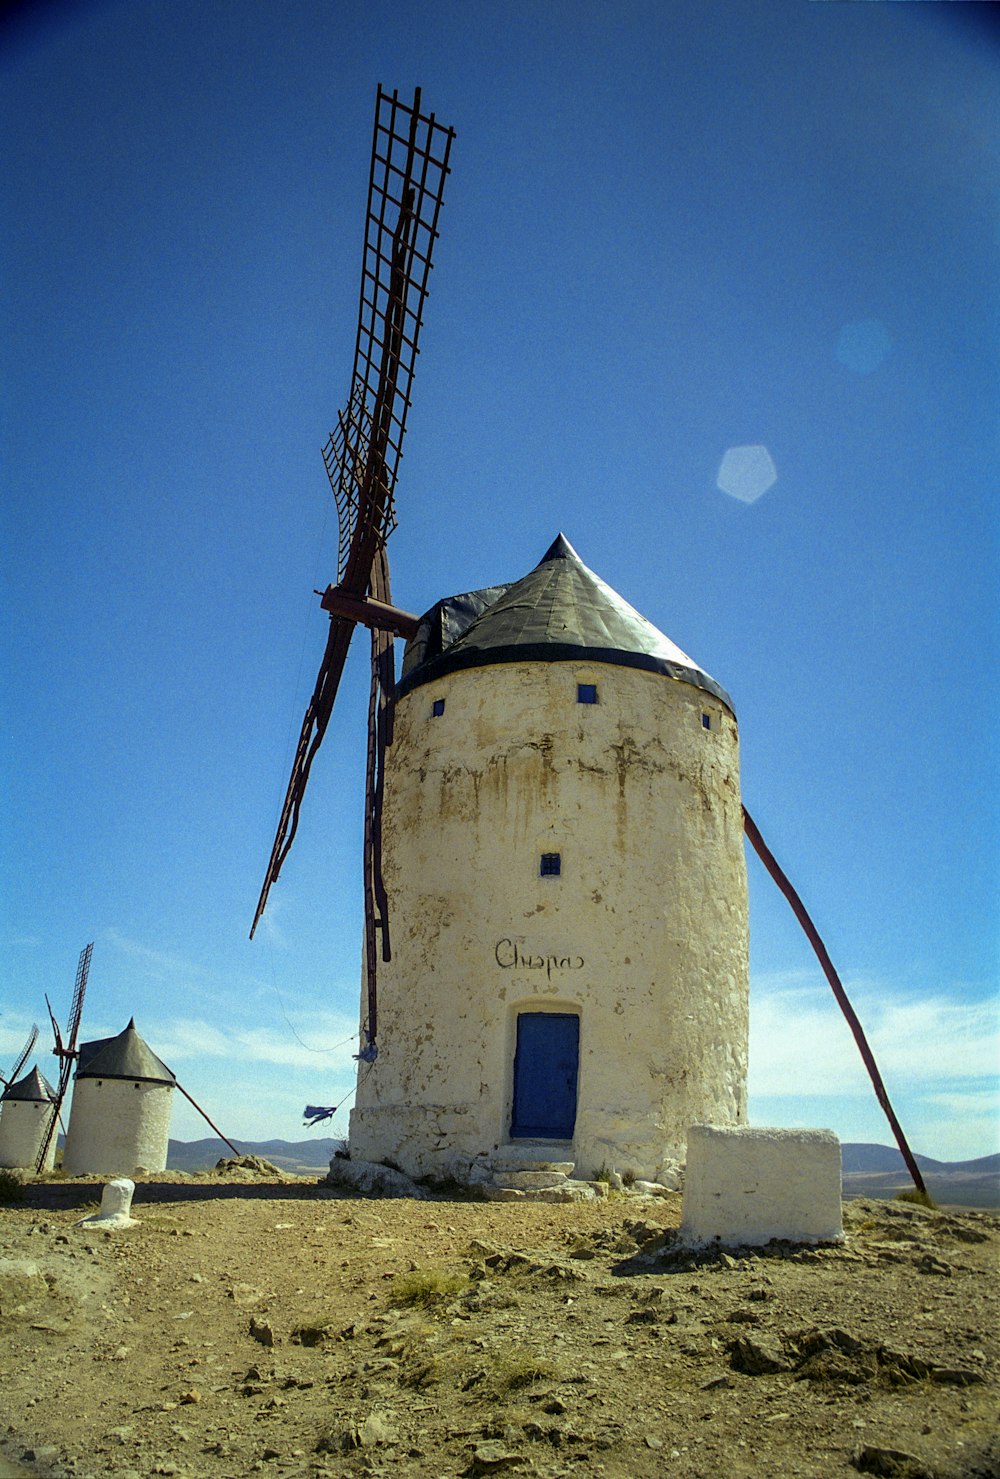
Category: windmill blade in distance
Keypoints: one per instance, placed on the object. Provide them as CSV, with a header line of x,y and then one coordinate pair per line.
x,y
66,1053
22,1057
79,990
409,165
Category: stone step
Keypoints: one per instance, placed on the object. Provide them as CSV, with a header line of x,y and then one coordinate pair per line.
x,y
514,1161
570,1191
523,1180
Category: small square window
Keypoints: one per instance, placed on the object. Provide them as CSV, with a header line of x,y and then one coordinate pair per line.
x,y
437,708
551,865
586,693
706,721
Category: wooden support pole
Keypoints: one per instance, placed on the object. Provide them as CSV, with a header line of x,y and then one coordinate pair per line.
x,y
812,934
205,1117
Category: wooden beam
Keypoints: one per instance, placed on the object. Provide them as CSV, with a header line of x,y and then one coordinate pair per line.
x,y
368,612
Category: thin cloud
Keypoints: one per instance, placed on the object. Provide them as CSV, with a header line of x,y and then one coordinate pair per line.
x,y
800,1043
160,964
270,922
327,1044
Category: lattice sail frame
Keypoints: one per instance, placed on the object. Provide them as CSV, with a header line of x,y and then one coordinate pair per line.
x,y
66,1052
22,1057
409,167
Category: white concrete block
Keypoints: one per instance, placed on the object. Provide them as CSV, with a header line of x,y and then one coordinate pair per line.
x,y
746,1186
116,1205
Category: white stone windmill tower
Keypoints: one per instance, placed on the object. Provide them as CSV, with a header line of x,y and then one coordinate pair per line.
x,y
563,852
27,1115
122,1100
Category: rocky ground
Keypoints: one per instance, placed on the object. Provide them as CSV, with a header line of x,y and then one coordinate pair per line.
x,y
272,1326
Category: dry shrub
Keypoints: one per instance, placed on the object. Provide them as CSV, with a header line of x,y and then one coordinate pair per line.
x,y
425,1287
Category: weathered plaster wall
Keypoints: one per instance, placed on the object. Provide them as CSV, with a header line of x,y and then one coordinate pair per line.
x,y
23,1125
644,934
117,1125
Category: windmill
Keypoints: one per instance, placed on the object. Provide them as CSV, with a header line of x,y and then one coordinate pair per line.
x,y
22,1057
65,1051
409,165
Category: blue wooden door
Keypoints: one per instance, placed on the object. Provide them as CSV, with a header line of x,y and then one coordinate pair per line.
x,y
546,1063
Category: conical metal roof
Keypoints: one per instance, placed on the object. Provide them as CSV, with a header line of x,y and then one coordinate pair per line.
x,y
559,612
124,1056
34,1086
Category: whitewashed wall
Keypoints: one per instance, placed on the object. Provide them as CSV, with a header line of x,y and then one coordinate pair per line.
x,y
24,1123
644,934
117,1125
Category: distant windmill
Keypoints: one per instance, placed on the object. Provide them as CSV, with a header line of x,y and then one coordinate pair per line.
x,y
22,1057
65,1051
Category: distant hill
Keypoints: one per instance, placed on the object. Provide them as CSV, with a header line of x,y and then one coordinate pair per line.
x,y
869,1158
299,1157
880,1171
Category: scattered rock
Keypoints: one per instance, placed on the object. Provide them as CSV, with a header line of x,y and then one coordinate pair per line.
x,y
371,1179
248,1167
313,1335
246,1295
928,1264
42,1453
262,1331
378,1427
491,1458
889,1463
757,1356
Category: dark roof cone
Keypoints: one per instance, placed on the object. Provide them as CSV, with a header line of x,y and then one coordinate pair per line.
x,y
561,611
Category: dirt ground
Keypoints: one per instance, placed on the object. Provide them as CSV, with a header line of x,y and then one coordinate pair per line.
x,y
271,1326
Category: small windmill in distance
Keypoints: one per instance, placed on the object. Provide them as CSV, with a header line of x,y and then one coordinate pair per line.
x,y
65,1051
22,1057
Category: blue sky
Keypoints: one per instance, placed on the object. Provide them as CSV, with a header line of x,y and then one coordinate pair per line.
x,y
672,229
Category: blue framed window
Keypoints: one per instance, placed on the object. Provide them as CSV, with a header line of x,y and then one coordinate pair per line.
x,y
550,865
437,708
706,721
586,693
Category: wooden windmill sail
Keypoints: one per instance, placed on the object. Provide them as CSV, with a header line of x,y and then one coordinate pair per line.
x,y
65,1049
22,1058
409,165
